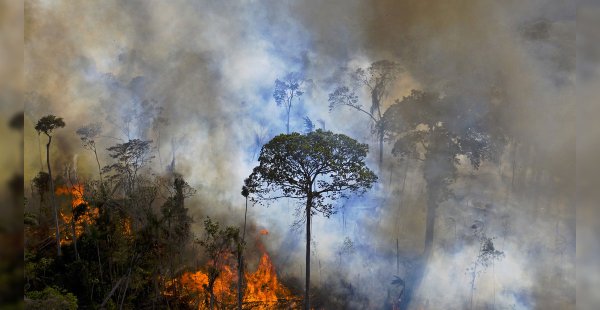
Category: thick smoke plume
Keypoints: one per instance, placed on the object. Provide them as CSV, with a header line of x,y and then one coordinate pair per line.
x,y
196,77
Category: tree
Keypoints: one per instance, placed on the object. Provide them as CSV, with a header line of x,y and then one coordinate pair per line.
x,y
219,243
240,252
88,135
437,131
318,168
290,87
47,125
378,79
131,156
486,256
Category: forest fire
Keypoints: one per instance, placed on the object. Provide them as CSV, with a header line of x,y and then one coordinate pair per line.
x,y
86,217
263,290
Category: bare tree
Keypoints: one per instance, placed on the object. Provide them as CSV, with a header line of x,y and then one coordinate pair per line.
x,y
88,135
288,89
218,243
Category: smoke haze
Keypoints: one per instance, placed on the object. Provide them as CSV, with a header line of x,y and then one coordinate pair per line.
x,y
208,69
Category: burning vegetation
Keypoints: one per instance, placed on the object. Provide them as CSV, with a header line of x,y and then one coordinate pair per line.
x,y
263,290
260,289
80,215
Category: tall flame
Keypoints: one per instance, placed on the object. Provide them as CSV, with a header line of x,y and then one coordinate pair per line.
x,y
75,193
262,287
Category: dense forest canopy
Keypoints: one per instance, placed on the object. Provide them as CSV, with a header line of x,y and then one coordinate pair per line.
x,y
391,155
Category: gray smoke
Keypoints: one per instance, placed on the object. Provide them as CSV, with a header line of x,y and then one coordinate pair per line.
x,y
208,68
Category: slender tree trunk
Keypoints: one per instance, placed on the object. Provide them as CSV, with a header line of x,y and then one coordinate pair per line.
x,y
158,149
473,276
397,257
98,162
381,134
112,291
430,224
288,119
307,284
211,305
40,151
240,279
52,194
240,283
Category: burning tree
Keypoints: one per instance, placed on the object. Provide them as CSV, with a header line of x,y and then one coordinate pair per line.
x,y
219,243
318,168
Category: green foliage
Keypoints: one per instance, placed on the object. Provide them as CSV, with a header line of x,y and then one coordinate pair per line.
x,y
41,182
50,298
437,130
308,125
218,243
425,123
131,156
321,165
30,219
49,123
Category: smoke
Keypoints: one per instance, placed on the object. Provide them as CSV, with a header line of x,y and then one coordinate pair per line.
x,y
208,68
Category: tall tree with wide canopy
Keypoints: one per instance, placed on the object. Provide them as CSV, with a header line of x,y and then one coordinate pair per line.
x,y
317,168
47,125
378,79
438,130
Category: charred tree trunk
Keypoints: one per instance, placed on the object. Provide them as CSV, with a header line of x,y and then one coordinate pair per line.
x,y
211,304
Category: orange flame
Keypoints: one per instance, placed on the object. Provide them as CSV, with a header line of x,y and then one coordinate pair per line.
x,y
263,232
262,287
88,217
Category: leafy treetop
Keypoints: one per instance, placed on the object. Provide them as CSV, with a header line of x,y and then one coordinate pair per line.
x,y
48,123
320,166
